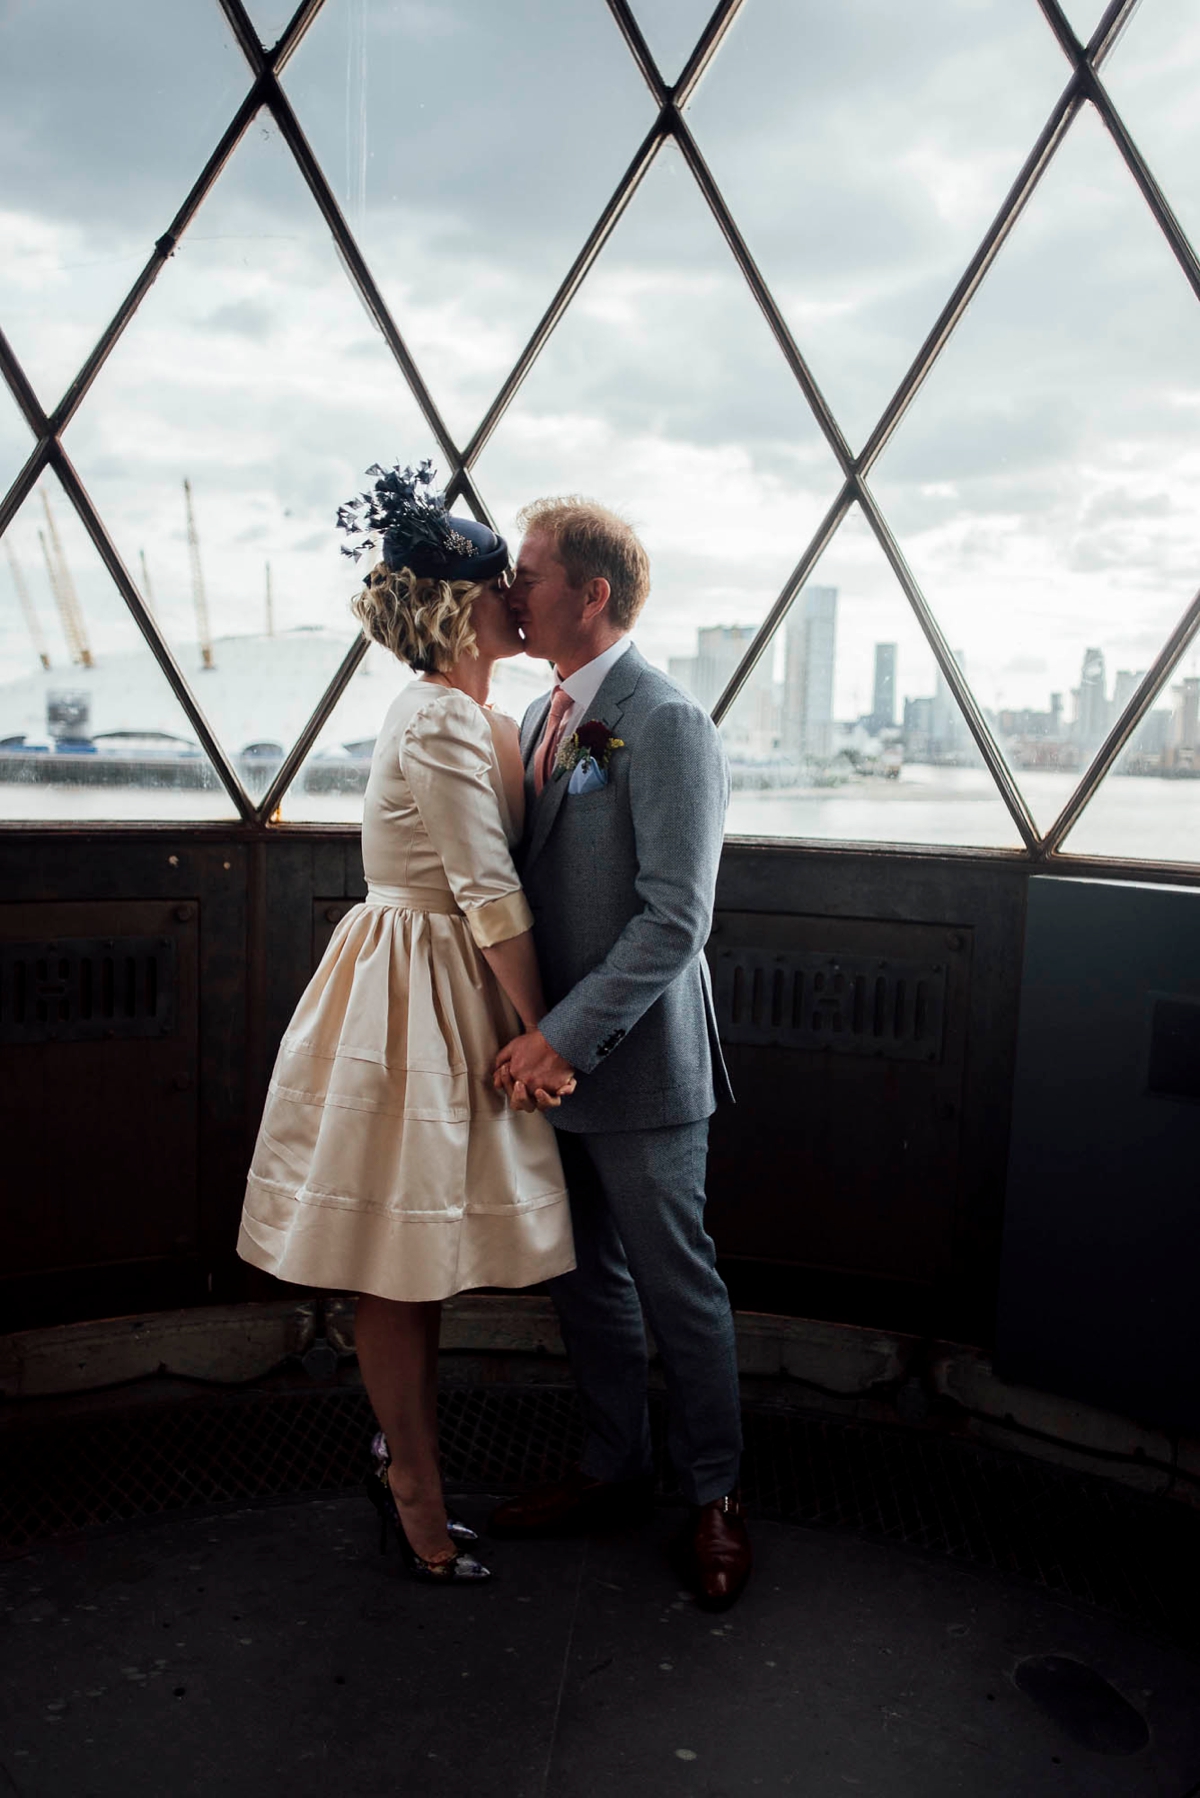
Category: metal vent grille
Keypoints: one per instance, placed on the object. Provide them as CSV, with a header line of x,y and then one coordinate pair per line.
x,y
87,989
847,1004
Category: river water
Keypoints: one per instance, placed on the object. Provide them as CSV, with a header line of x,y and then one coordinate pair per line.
x,y
1131,818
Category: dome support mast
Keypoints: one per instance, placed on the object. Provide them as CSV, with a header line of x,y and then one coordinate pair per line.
x,y
63,588
199,598
25,600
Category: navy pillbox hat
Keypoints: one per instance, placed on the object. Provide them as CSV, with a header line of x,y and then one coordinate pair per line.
x,y
470,552
416,531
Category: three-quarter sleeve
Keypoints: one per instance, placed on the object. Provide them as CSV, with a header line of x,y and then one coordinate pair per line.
x,y
446,755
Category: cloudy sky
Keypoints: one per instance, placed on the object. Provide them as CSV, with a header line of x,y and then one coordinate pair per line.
x,y
1043,485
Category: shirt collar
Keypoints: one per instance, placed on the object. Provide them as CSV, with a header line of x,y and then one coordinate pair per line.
x,y
587,681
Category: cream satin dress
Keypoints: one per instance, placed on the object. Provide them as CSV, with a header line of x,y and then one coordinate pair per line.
x,y
385,1162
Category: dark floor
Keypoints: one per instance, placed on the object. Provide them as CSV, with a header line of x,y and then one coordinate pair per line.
x,y
139,1452
269,1650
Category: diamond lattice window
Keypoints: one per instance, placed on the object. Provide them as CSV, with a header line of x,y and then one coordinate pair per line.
x,y
882,324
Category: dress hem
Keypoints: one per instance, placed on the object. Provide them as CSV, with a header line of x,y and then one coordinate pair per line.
x,y
343,1202
521,1249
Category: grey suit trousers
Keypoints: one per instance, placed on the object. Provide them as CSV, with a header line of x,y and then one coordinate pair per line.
x,y
637,1204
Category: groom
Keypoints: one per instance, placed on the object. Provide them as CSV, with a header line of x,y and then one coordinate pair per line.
x,y
620,866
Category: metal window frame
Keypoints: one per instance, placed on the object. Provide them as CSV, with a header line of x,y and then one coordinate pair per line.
x,y
265,66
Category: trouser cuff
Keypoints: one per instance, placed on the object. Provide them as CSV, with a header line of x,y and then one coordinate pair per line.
x,y
703,1492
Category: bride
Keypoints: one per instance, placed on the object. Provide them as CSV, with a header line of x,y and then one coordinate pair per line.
x,y
386,1163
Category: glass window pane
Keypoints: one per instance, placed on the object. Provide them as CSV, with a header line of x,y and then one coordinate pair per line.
x,y
663,394
1083,16
253,374
1153,76
1147,807
472,147
110,113
671,28
89,727
1042,485
846,730
271,18
863,149
330,784
333,777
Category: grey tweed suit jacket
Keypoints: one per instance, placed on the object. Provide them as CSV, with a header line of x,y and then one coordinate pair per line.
x,y
621,882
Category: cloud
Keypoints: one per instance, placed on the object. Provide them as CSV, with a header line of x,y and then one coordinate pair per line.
x,y
243,318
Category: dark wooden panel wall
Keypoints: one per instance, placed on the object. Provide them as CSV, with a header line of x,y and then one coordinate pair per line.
x,y
860,1176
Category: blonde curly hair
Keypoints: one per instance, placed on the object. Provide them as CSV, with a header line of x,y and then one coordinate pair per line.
x,y
423,621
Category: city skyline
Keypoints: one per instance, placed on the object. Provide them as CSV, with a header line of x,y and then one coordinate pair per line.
x,y
793,716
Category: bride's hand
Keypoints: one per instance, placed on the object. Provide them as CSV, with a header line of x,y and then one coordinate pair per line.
x,y
546,1101
529,1058
521,1099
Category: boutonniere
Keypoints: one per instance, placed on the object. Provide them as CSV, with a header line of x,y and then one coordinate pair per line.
x,y
585,756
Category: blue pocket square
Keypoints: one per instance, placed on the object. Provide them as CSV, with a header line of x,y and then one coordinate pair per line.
x,y
588,777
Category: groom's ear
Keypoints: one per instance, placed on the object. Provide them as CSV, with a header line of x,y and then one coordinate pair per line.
x,y
596,597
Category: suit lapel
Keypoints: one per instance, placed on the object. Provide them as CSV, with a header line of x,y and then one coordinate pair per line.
x,y
609,703
531,728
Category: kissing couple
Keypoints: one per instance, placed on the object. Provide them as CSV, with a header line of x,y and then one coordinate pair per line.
x,y
502,1071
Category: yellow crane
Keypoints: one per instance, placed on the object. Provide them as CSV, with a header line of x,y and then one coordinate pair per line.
x,y
32,621
199,599
63,589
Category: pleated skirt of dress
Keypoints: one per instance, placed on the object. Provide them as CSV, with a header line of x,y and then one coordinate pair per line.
x,y
385,1162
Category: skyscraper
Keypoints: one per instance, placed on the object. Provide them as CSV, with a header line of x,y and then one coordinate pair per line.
x,y
1185,725
883,704
1092,717
806,730
750,725
1125,685
947,729
719,649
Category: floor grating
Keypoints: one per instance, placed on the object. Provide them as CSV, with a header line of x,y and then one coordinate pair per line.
x,y
1076,1535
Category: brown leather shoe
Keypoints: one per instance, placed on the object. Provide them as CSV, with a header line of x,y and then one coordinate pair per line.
x,y
717,1557
574,1505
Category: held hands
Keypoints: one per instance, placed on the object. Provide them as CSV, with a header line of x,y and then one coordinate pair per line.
x,y
532,1074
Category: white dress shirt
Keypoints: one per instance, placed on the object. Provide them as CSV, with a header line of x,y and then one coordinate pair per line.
x,y
586,682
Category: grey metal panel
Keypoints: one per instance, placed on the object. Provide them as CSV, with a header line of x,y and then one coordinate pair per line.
x,y
99,1128
1102,1226
989,897
848,1159
139,1256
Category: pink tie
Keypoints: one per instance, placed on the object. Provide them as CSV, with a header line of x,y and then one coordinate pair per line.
x,y
560,704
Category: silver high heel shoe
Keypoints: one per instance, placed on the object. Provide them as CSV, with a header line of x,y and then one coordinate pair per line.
x,y
459,1532
457,1570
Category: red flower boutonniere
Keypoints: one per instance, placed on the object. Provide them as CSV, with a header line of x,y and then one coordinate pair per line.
x,y
592,742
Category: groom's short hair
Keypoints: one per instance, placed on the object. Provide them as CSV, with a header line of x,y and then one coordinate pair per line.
x,y
589,540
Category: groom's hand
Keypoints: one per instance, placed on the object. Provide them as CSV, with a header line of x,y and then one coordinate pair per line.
x,y
530,1072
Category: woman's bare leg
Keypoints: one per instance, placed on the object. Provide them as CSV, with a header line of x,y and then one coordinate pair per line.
x,y
397,1354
